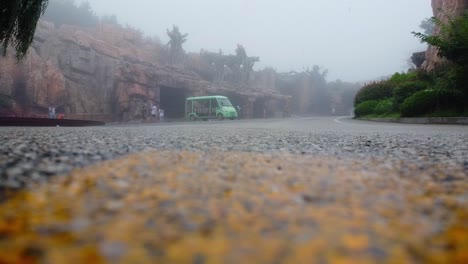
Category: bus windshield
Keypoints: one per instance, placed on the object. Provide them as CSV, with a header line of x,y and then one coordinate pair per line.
x,y
224,102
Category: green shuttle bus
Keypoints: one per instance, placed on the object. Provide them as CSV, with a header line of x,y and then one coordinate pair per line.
x,y
208,107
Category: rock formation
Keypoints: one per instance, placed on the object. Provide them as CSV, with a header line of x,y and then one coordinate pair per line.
x,y
106,73
418,58
443,9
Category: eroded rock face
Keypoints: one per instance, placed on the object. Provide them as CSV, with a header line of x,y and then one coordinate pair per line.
x,y
106,73
85,74
443,9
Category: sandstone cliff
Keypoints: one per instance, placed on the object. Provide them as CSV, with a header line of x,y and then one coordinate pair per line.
x,y
443,9
105,73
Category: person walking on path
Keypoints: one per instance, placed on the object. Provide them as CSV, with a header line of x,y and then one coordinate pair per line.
x,y
154,111
52,112
161,115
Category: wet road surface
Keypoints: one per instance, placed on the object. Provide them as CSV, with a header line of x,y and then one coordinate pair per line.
x,y
265,191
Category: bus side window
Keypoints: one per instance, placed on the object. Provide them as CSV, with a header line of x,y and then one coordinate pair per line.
x,y
196,106
214,105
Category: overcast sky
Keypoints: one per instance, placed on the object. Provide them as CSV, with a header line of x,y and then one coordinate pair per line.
x,y
355,39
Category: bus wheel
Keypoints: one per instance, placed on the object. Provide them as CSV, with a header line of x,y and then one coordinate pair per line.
x,y
220,117
193,118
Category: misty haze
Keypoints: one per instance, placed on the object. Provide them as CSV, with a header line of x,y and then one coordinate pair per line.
x,y
233,131
355,40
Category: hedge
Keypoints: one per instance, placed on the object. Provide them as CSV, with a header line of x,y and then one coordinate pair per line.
x,y
384,107
365,108
429,101
374,91
407,89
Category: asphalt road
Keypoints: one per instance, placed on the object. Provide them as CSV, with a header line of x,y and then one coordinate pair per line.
x,y
309,190
33,154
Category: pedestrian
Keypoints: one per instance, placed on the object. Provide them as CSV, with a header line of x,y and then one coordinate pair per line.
x,y
238,111
52,112
154,111
161,115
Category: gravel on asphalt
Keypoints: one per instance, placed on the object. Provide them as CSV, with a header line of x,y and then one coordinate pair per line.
x,y
235,207
33,154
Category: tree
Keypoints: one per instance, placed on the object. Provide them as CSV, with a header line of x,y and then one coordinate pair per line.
x,y
18,20
176,40
452,41
245,64
452,44
428,26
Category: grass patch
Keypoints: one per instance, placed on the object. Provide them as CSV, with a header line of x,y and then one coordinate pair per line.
x,y
390,115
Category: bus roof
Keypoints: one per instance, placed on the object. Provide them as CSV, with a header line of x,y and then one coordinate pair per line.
x,y
207,97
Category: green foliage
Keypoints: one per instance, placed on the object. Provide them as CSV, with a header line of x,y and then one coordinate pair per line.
x,y
441,92
452,41
70,13
429,101
399,78
385,106
419,103
445,113
365,108
389,115
452,44
18,20
407,89
445,77
374,91
428,26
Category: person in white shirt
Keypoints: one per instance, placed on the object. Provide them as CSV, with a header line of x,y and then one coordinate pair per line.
x,y
154,111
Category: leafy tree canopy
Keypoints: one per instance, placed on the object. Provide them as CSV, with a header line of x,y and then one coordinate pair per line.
x,y
18,20
452,41
428,26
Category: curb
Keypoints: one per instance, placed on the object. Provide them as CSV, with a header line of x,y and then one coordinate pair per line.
x,y
422,120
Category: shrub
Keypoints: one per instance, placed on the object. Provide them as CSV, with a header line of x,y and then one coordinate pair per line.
x,y
399,78
420,103
407,89
452,39
374,91
365,108
429,101
384,107
450,100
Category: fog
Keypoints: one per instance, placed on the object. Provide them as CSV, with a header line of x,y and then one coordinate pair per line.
x,y
356,40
